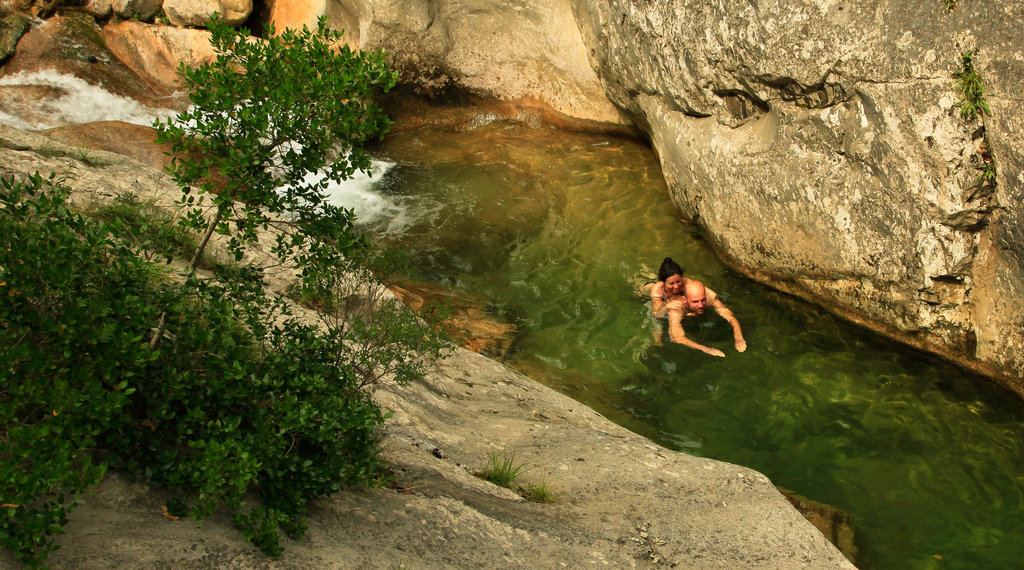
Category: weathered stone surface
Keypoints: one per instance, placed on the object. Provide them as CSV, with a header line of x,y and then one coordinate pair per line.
x,y
622,501
135,141
100,8
156,52
8,7
526,50
75,45
11,29
834,128
195,13
294,14
140,9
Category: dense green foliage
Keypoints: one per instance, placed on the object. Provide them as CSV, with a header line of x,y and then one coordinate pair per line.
x,y
229,394
67,358
275,122
233,403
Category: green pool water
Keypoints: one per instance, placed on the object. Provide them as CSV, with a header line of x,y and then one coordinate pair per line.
x,y
552,230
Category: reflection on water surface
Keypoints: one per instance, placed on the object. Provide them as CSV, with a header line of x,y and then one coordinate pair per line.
x,y
553,230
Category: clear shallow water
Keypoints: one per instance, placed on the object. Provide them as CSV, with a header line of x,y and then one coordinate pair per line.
x,y
554,228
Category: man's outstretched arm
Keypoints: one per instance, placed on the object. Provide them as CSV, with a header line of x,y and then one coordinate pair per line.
x,y
675,332
737,332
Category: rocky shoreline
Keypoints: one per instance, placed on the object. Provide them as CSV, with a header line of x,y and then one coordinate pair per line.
x,y
621,500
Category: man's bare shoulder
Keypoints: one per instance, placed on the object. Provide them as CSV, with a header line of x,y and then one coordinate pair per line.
x,y
710,296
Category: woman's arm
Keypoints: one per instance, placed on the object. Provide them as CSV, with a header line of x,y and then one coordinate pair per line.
x,y
658,299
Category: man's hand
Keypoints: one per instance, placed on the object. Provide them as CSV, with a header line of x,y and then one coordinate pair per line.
x,y
741,345
714,352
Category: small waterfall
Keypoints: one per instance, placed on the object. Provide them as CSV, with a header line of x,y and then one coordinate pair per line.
x,y
70,100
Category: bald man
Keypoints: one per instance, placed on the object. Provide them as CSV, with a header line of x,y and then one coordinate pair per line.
x,y
695,299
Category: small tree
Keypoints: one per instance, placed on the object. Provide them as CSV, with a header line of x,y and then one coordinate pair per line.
x,y
272,123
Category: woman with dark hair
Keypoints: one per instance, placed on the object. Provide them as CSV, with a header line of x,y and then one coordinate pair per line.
x,y
668,288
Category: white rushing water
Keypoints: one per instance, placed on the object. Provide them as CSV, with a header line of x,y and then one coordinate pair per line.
x,y
75,101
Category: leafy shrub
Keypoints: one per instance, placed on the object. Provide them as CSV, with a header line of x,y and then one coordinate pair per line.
x,y
242,397
151,231
70,300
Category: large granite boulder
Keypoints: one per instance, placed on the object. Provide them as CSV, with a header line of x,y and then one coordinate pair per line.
x,y
196,13
138,9
156,52
75,45
527,51
820,145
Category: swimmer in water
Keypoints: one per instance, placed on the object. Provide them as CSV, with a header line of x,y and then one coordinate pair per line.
x,y
681,297
669,287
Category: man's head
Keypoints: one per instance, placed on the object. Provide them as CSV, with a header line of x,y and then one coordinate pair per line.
x,y
696,296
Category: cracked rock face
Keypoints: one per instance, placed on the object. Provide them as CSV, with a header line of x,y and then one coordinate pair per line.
x,y
820,144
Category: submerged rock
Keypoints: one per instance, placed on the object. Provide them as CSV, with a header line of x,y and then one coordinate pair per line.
x,y
833,522
469,322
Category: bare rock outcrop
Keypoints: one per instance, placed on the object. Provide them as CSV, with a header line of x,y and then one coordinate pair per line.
x,y
195,13
527,51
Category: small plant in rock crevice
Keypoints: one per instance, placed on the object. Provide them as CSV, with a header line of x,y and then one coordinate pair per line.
x,y
971,89
972,104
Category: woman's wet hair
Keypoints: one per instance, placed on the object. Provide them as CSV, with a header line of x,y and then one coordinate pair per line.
x,y
668,269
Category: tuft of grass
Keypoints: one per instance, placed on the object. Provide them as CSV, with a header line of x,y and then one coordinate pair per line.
x,y
49,151
501,469
538,492
949,5
972,91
